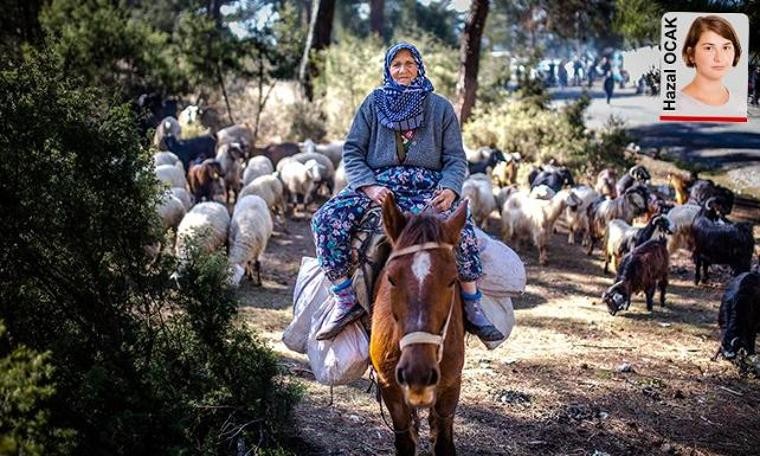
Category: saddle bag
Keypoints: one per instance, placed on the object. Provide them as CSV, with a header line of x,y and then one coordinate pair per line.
x,y
340,360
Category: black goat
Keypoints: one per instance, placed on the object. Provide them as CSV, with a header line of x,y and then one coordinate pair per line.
x,y
191,149
494,156
739,316
556,178
702,190
636,175
720,242
644,269
659,223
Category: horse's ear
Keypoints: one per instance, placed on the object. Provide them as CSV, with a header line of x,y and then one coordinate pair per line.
x,y
452,227
393,219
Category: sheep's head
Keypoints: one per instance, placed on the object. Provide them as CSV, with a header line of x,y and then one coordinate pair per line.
x,y
616,298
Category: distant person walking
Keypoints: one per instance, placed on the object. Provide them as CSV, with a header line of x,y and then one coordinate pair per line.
x,y
609,79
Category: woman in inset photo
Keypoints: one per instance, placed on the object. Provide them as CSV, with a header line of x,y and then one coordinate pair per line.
x,y
712,48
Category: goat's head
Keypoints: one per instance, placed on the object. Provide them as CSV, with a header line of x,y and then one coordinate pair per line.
x,y
710,208
639,173
566,176
616,298
495,157
662,224
212,169
572,200
236,150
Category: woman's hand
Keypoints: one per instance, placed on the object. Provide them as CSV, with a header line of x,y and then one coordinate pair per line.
x,y
442,199
376,193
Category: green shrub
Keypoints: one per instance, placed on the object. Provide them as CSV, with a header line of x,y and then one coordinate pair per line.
x,y
140,365
308,121
24,420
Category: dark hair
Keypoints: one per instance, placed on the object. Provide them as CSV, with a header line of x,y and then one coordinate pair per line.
x,y
712,23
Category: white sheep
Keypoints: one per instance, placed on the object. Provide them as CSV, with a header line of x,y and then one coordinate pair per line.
x,y
528,218
250,229
171,176
183,195
229,157
299,179
255,167
326,169
477,188
170,209
681,219
206,223
577,219
168,126
270,189
167,158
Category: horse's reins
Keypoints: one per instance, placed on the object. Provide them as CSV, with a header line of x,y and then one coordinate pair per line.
x,y
424,337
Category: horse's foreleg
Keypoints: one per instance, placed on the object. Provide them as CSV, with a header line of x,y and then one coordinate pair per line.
x,y
442,422
401,415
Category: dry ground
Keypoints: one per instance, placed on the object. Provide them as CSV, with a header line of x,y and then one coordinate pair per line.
x,y
558,385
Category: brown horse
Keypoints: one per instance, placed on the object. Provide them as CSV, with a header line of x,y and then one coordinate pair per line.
x,y
417,344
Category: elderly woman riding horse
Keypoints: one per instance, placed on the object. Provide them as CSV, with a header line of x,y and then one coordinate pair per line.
x,y
404,143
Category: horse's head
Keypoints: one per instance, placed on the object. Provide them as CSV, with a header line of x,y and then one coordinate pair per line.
x,y
422,275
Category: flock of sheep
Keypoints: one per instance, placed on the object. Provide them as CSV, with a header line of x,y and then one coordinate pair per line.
x,y
225,169
207,174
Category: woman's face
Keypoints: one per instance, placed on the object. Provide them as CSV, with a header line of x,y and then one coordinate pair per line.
x,y
403,67
713,55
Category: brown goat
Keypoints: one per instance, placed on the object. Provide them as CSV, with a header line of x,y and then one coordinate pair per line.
x,y
605,183
681,185
644,269
204,179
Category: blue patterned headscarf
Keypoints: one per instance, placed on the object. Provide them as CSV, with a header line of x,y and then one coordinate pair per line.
x,y
400,107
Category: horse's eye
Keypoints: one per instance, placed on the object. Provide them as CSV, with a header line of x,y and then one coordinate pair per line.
x,y
452,283
391,281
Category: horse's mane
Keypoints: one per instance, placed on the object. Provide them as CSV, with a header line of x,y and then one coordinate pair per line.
x,y
419,229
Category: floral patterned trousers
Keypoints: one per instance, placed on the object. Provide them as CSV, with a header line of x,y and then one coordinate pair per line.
x,y
336,221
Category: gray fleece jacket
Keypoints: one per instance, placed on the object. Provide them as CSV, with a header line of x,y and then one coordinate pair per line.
x,y
436,146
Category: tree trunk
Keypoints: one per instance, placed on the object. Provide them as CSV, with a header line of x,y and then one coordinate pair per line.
x,y
320,31
469,59
376,16
220,77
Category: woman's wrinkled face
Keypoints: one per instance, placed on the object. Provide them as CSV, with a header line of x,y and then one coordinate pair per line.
x,y
403,67
713,55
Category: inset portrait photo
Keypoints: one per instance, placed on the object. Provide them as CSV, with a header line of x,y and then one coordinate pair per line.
x,y
704,67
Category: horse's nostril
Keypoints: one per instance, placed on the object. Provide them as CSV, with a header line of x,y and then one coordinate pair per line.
x,y
433,379
400,376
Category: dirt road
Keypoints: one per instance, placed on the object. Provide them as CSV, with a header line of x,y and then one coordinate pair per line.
x,y
571,380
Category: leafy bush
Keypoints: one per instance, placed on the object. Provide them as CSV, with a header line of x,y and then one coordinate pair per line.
x,y
140,366
308,121
524,124
24,387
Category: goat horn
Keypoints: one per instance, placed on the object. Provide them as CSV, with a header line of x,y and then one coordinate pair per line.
x,y
709,202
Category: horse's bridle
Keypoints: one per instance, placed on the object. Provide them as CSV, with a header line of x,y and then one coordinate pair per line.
x,y
423,337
